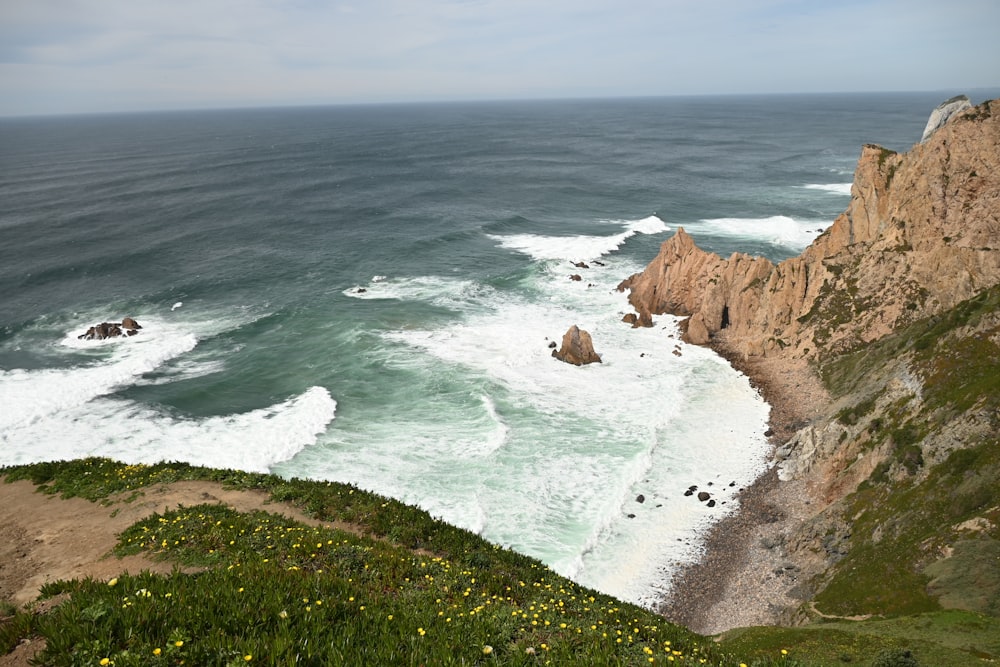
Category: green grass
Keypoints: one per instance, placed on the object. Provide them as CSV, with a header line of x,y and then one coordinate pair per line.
x,y
282,592
939,639
914,512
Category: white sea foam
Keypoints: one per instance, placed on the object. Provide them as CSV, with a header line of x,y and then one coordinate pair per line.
x,y
834,188
778,230
73,411
581,247
499,435
29,396
437,290
187,369
554,466
126,431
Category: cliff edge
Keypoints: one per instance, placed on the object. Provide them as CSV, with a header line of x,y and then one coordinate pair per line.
x,y
883,500
921,234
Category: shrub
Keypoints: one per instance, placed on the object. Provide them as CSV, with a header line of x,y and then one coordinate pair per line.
x,y
895,657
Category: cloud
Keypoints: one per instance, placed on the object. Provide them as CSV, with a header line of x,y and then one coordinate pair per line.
x,y
69,55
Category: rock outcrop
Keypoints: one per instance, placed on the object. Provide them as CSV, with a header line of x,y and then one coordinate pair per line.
x,y
920,235
943,113
127,327
577,348
897,304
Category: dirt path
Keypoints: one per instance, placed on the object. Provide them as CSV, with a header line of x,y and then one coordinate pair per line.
x,y
44,538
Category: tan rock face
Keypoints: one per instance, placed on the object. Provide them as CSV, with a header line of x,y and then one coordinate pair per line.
x,y
921,233
577,348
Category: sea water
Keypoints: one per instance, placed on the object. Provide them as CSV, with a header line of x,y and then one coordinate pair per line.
x,y
369,295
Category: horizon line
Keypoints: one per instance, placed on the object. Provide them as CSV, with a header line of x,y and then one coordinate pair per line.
x,y
476,101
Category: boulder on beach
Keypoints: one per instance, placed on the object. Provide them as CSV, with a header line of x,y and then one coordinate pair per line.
x,y
577,348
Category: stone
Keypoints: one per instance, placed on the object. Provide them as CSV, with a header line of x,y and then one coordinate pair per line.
x,y
102,331
704,495
943,113
127,327
640,498
581,265
577,348
576,277
630,318
887,248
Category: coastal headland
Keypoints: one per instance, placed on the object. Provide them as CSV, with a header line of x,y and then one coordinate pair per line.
x,y
877,348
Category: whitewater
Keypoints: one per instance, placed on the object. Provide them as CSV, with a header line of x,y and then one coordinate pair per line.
x,y
370,296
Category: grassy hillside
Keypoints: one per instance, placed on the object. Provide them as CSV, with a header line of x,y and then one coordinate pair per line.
x,y
926,523
922,562
258,587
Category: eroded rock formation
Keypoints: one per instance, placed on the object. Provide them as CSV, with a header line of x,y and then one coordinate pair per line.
x,y
943,113
577,348
897,304
920,235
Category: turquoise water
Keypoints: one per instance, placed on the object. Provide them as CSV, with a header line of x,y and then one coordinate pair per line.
x,y
367,294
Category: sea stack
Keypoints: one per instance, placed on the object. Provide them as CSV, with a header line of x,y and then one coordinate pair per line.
x,y
577,348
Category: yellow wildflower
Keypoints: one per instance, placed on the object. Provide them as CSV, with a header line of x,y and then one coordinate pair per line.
x,y
487,649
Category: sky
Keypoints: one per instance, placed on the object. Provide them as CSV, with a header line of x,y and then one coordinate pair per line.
x,y
82,56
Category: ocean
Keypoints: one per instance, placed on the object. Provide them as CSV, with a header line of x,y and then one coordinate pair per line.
x,y
367,294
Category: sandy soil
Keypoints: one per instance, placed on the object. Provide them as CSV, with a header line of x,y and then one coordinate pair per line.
x,y
44,538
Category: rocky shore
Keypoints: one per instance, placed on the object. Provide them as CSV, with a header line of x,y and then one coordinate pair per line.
x,y
916,242
742,578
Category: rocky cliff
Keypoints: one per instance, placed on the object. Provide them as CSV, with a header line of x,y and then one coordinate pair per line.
x,y
887,502
920,235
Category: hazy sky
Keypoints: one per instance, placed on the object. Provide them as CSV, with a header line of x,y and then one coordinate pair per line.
x,y
59,56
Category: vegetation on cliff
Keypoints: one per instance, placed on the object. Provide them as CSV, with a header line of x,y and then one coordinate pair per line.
x,y
897,308
930,508
390,586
